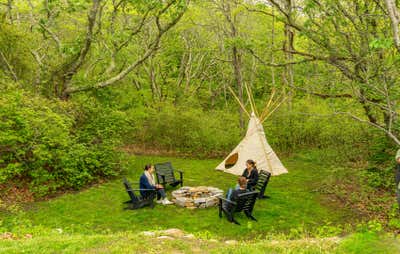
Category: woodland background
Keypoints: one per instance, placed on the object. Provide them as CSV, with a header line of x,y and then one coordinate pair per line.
x,y
85,83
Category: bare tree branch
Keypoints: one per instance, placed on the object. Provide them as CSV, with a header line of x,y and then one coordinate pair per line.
x,y
388,132
395,19
151,50
9,67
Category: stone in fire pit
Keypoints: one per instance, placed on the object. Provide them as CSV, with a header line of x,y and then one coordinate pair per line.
x,y
196,197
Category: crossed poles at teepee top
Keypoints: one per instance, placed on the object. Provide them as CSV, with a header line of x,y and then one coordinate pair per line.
x,y
270,107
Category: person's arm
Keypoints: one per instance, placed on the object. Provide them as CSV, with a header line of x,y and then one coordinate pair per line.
x,y
244,173
234,195
253,177
145,183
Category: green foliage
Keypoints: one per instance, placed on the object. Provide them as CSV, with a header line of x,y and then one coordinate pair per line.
x,y
379,178
368,243
190,130
39,144
13,44
381,43
380,174
309,124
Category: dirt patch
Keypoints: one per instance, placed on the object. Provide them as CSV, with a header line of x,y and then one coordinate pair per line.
x,y
10,193
13,193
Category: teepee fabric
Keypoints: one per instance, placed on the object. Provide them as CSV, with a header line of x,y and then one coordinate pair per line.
x,y
254,146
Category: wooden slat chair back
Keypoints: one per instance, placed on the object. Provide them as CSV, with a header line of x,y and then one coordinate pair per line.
x,y
245,203
130,192
136,201
263,180
165,174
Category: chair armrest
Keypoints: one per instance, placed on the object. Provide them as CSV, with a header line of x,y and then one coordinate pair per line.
x,y
143,190
227,200
180,174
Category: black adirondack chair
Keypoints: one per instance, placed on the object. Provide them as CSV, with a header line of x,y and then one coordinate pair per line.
x,y
137,201
165,175
263,179
245,203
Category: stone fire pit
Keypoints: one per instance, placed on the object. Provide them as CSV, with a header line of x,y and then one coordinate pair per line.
x,y
196,197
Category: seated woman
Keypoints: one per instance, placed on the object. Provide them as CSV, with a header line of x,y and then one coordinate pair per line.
x,y
147,182
251,174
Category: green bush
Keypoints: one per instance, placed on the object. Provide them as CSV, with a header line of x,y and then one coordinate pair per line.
x,y
42,143
189,130
309,123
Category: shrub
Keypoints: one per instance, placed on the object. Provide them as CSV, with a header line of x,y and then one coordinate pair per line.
x,y
42,143
190,130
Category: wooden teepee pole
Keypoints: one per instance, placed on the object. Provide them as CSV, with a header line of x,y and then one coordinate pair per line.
x,y
254,101
273,110
264,112
237,99
253,105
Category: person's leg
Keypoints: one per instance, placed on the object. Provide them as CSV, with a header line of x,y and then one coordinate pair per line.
x,y
229,194
161,193
164,199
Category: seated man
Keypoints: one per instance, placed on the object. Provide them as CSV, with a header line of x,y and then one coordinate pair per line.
x,y
233,195
147,182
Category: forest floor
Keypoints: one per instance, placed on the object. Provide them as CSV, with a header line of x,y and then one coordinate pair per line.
x,y
299,217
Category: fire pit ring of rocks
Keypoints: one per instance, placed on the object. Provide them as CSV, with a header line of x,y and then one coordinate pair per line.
x,y
196,197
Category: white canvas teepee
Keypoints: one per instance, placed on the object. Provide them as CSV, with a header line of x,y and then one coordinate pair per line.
x,y
254,146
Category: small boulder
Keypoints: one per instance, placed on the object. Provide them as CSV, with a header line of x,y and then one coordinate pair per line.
x,y
231,242
189,236
165,237
149,233
174,232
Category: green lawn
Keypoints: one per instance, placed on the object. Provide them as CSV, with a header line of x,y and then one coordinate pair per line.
x,y
93,220
127,242
293,205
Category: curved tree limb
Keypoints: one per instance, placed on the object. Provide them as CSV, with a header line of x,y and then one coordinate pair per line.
x,y
151,50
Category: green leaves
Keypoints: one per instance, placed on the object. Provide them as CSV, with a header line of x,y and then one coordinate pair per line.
x,y
237,42
42,144
381,43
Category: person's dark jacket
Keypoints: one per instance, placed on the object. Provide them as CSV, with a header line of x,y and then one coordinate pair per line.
x,y
236,193
252,178
234,197
145,184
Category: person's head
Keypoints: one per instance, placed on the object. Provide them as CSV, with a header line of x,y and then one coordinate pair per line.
x,y
250,164
242,182
149,168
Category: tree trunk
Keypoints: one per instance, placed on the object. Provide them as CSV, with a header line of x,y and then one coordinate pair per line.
x,y
288,48
237,67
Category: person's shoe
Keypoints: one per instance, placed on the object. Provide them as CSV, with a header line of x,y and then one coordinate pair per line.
x,y
160,201
166,202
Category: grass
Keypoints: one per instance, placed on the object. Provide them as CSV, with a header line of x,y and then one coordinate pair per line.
x,y
293,205
93,220
128,242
